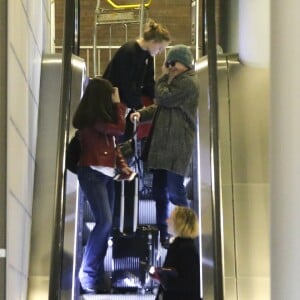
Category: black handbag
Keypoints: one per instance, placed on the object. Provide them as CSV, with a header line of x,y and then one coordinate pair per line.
x,y
127,148
73,153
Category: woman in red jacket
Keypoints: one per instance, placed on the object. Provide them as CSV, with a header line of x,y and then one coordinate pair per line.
x,y
99,118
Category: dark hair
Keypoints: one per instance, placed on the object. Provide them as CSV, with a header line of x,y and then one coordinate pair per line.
x,y
96,104
156,32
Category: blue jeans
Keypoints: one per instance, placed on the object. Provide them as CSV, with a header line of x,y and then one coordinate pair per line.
x,y
167,186
99,191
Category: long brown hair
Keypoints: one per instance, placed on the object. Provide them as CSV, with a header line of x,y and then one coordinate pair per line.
x,y
96,104
156,32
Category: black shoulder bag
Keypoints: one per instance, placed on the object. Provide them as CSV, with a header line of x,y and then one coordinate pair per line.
x,y
73,153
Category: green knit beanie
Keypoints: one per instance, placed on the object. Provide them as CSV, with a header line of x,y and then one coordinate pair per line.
x,y
182,54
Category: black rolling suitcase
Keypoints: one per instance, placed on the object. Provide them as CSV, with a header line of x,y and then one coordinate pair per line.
x,y
126,195
132,255
126,206
134,247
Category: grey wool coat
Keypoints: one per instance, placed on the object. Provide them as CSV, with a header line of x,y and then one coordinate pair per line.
x,y
174,123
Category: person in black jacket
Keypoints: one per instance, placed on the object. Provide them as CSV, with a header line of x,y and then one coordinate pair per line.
x,y
180,275
132,69
169,146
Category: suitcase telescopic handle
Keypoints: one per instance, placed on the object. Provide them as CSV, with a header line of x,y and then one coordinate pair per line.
x,y
135,135
136,189
122,208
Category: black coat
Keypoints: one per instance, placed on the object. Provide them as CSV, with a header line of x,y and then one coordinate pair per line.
x,y
182,256
132,71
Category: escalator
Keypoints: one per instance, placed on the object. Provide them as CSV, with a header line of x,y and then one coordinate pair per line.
x,y
63,223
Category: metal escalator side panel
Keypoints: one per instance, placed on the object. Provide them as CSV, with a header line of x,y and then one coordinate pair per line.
x,y
45,177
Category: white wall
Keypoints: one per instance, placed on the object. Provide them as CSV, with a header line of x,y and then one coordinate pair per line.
x,y
251,152
28,38
254,32
250,164
247,199
284,150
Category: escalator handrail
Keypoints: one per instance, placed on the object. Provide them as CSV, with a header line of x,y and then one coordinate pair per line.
x,y
65,101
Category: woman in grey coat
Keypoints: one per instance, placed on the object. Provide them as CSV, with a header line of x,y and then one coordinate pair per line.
x,y
170,144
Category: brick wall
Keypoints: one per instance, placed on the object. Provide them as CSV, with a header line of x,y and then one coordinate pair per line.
x,y
174,14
